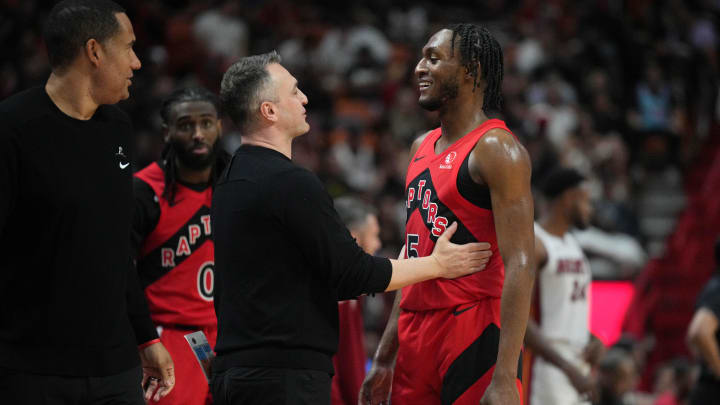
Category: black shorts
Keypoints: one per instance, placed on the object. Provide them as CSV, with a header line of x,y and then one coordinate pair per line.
x,y
22,388
270,386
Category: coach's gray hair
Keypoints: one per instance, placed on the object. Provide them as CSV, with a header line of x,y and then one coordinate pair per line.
x,y
243,87
352,211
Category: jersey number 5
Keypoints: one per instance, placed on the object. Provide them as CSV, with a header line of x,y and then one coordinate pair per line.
x,y
411,245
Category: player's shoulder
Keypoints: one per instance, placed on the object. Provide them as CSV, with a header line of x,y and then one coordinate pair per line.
x,y
501,144
499,137
151,172
143,190
419,140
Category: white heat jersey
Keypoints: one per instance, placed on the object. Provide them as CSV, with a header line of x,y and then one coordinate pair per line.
x,y
563,288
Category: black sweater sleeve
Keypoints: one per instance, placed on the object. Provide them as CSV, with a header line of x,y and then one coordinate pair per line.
x,y
9,171
137,307
138,310
308,212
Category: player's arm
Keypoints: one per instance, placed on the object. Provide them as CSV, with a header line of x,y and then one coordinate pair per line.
x,y
502,163
701,338
540,346
594,351
534,339
376,387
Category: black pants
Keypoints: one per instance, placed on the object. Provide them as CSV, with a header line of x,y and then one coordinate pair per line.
x,y
270,386
20,388
705,393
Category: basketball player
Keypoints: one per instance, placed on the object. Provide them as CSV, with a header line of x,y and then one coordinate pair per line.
x,y
472,170
172,233
560,338
349,360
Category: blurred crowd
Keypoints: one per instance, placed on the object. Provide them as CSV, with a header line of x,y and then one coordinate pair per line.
x,y
625,91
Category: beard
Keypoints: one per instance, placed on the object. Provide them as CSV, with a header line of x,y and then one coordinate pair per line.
x,y
578,222
448,91
192,161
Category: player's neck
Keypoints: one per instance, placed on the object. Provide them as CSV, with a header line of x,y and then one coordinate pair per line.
x,y
193,176
555,223
457,119
71,94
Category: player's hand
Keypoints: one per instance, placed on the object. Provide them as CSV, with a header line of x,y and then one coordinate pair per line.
x,y
584,384
158,371
593,352
459,260
376,387
501,391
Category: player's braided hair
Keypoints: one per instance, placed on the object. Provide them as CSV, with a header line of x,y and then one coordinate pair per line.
x,y
169,154
477,46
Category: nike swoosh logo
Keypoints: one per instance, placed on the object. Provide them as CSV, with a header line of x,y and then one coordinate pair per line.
x,y
123,166
416,159
456,313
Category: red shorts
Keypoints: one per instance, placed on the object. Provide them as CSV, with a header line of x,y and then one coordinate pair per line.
x,y
191,386
447,356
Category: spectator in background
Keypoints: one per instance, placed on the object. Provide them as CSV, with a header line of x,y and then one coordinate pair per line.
x,y
222,33
618,377
704,338
349,361
654,98
674,382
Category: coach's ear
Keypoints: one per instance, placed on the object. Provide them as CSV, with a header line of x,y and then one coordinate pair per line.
x,y
269,111
93,51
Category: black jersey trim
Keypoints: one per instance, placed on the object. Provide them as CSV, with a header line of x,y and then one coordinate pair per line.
x,y
462,235
150,267
472,364
477,194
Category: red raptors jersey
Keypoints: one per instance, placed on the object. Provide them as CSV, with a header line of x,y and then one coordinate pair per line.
x,y
176,259
439,191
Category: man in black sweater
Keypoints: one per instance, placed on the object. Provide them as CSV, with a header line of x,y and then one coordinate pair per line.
x,y
283,258
72,314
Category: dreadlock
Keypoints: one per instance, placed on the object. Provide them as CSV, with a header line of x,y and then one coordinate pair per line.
x,y
169,154
477,46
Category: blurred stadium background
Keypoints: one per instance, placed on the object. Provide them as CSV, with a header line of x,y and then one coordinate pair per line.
x,y
625,91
